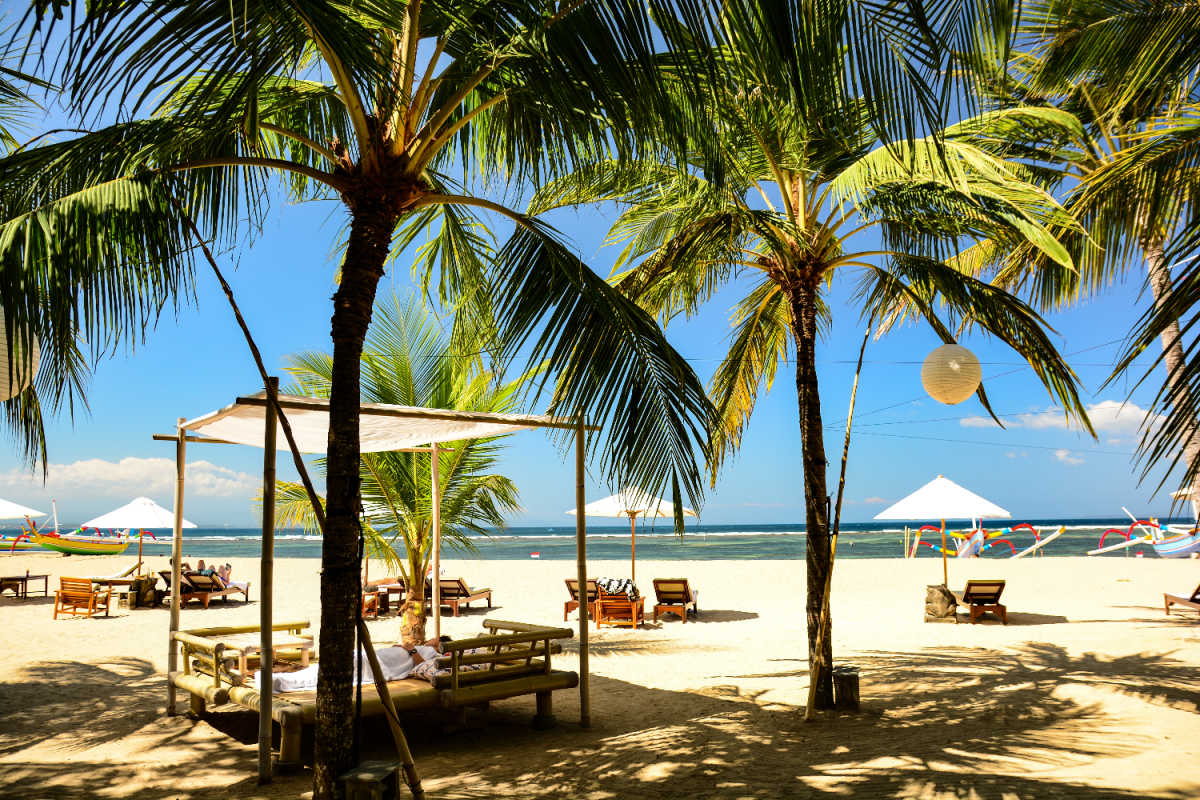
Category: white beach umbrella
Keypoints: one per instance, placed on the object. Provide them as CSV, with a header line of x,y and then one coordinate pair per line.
x,y
633,503
15,511
141,513
943,499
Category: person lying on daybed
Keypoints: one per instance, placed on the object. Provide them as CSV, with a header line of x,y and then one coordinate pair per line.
x,y
397,662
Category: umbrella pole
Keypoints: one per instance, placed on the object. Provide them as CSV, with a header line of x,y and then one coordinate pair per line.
x,y
436,500
585,701
945,569
176,558
267,592
633,548
141,538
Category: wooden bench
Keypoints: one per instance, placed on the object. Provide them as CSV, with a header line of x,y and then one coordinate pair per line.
x,y
518,662
1189,601
75,596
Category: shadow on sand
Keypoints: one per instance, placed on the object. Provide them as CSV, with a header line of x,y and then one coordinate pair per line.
x,y
953,723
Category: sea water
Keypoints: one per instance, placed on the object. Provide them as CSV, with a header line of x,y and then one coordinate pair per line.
x,y
658,541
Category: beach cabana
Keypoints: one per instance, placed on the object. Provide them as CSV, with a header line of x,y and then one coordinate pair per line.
x,y
633,503
943,499
252,421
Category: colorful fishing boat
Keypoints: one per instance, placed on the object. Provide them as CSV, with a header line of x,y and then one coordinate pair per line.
x,y
1175,541
979,541
79,544
16,544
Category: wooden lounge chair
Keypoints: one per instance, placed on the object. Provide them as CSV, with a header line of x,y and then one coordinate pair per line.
x,y
983,596
76,597
195,586
457,595
370,609
1190,601
673,595
618,610
573,603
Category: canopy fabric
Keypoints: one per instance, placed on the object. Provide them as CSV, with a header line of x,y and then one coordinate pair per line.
x,y
631,502
382,427
15,511
142,512
942,498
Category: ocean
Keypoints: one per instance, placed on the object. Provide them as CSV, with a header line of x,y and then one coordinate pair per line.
x,y
658,542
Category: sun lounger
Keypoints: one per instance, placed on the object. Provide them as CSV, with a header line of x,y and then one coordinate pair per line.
x,y
1190,601
573,603
457,595
76,597
674,595
619,610
197,586
518,662
982,597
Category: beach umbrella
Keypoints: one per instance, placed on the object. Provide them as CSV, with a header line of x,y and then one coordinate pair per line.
x,y
141,513
633,503
15,511
943,499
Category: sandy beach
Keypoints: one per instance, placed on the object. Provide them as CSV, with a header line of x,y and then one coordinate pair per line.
x,y
1090,691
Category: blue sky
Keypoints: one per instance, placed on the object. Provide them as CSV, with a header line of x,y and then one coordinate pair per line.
x,y
196,361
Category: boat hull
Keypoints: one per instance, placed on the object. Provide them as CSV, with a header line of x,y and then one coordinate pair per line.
x,y
10,544
83,545
1181,546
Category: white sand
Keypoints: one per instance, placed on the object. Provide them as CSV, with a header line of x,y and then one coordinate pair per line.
x,y
1090,691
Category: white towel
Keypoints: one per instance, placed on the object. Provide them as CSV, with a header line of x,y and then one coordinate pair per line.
x,y
395,662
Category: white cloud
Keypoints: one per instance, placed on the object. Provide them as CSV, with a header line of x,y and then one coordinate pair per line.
x,y
875,500
132,476
1122,420
1065,456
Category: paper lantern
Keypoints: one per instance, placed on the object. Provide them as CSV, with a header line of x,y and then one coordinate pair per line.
x,y
950,374
16,368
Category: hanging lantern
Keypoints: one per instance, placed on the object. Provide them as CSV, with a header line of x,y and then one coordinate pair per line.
x,y
16,368
950,374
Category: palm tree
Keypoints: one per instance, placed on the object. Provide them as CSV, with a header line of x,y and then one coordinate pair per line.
x,y
1127,173
404,112
802,191
407,360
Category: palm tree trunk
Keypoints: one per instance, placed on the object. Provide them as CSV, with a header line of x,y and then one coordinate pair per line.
x,y
341,588
1172,345
803,301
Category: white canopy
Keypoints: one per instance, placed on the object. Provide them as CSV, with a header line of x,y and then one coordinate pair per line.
x,y
14,511
632,502
142,512
382,427
942,498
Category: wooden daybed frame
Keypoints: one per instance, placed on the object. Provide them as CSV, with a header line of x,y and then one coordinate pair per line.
x,y
518,664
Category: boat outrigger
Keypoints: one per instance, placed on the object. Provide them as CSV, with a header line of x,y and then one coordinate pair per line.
x,y
979,541
1173,541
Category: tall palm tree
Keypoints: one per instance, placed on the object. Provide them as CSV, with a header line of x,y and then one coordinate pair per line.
x,y
407,360
1129,173
803,190
405,113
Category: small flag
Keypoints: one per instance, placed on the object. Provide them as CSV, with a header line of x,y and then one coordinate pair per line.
x,y
535,554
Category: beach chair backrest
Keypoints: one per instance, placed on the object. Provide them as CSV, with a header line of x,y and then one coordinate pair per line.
x,y
166,576
983,591
204,583
454,587
75,585
573,588
672,590
1195,598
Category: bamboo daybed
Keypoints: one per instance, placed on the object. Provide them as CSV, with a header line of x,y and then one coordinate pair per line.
x,y
518,663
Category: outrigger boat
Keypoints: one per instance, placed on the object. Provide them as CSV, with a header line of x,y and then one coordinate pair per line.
x,y
1175,541
978,541
81,543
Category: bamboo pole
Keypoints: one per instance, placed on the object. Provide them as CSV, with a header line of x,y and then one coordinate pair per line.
x,y
411,777
266,593
435,501
632,548
945,568
813,670
585,701
176,561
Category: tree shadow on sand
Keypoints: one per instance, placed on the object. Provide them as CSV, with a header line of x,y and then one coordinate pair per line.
x,y
962,723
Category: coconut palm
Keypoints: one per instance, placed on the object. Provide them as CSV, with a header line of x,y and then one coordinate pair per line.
x,y
407,360
802,191
404,112
1129,173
